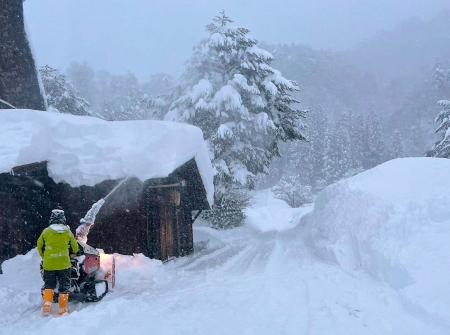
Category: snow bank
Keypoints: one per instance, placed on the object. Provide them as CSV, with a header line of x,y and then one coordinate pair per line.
x,y
87,150
394,222
238,281
267,213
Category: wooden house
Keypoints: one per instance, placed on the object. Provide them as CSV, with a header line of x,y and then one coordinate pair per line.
x,y
153,216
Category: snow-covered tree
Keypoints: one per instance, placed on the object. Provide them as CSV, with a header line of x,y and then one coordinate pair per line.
x,y
227,210
159,84
121,98
61,94
357,137
374,148
317,129
293,191
397,149
442,147
330,157
343,146
82,77
161,91
441,78
244,106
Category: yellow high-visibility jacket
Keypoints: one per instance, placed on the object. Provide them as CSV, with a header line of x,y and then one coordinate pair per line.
x,y
53,247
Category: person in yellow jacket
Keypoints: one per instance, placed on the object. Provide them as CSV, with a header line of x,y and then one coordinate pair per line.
x,y
54,245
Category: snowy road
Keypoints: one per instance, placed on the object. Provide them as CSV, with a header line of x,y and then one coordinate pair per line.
x,y
242,281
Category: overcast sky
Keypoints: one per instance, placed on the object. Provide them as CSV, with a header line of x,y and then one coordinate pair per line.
x,y
148,36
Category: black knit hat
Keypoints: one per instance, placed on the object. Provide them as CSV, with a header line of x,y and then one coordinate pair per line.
x,y
57,217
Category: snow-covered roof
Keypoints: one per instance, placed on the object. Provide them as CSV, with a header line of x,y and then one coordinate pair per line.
x,y
84,150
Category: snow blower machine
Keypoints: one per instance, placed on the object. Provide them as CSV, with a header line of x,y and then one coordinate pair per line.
x,y
92,275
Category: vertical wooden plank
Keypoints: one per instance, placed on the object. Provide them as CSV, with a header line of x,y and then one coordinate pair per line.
x,y
170,232
163,233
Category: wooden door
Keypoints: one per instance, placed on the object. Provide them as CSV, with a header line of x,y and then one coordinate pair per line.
x,y
167,233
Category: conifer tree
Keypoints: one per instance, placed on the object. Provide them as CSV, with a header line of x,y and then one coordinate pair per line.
x,y
82,77
374,148
122,98
442,147
244,106
397,150
60,94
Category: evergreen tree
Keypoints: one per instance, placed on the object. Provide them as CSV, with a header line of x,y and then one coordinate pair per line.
x,y
159,84
442,147
317,129
357,138
397,150
292,190
157,106
122,98
60,94
374,148
330,157
343,146
82,77
228,211
243,105
441,79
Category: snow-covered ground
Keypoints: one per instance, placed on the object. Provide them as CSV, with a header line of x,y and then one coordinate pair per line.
x,y
370,258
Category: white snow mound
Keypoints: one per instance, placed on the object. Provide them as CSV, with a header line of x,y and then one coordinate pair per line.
x,y
269,214
394,222
262,281
86,150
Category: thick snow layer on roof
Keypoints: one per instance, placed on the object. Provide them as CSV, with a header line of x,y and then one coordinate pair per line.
x,y
86,150
392,221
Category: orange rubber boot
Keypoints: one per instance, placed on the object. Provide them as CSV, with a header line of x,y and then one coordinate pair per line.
x,y
48,301
63,302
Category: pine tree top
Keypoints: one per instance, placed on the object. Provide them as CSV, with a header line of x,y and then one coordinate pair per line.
x,y
219,23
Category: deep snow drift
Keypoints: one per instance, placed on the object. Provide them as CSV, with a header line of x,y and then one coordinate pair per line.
x,y
392,221
361,262
85,150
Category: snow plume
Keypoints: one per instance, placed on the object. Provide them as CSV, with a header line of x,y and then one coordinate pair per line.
x,y
88,221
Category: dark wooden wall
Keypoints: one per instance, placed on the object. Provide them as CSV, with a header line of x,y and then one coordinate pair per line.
x,y
19,84
25,205
169,220
138,218
121,224
26,201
